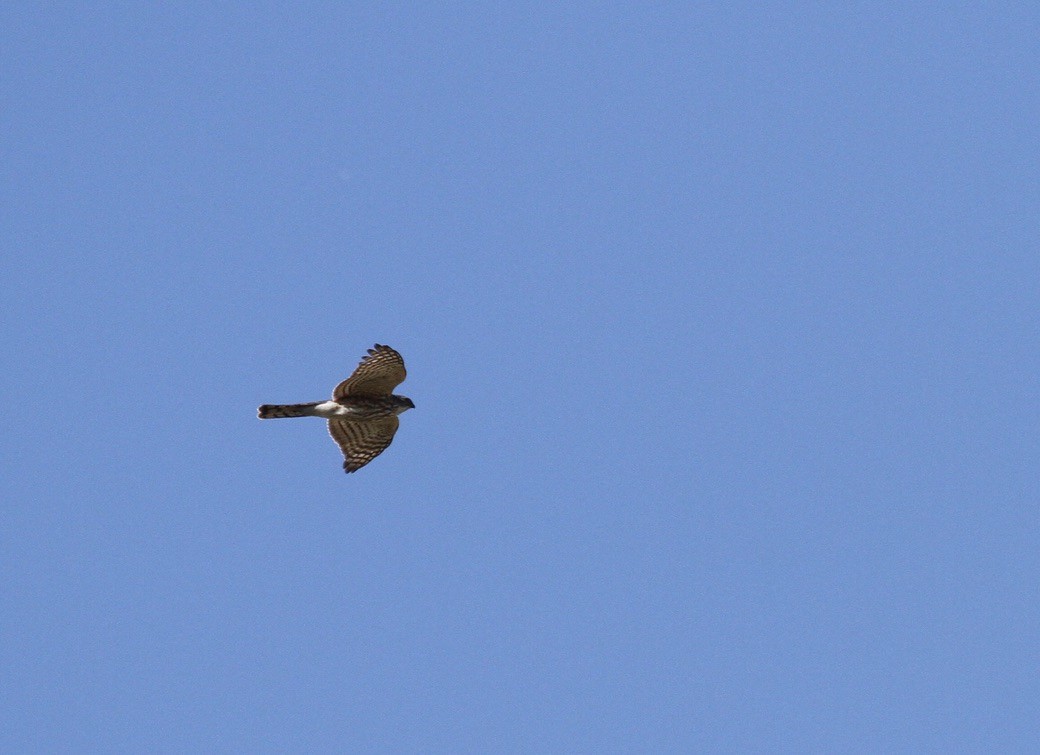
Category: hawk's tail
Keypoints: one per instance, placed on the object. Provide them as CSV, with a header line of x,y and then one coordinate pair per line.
x,y
277,411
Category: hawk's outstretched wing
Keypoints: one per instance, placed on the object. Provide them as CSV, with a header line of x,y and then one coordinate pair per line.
x,y
377,375
361,442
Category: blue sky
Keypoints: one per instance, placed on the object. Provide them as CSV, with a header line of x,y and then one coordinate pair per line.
x,y
721,324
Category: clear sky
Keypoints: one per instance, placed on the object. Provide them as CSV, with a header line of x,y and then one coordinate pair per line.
x,y
721,323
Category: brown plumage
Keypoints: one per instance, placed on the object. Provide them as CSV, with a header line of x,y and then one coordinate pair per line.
x,y
363,411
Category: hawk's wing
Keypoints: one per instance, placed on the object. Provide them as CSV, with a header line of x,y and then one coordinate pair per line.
x,y
377,375
361,442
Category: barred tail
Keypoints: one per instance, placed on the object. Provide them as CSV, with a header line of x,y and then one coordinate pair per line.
x,y
277,411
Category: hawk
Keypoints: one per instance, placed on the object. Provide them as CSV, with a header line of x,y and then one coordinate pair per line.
x,y
363,411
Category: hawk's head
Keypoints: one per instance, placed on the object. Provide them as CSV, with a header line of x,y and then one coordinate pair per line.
x,y
401,404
